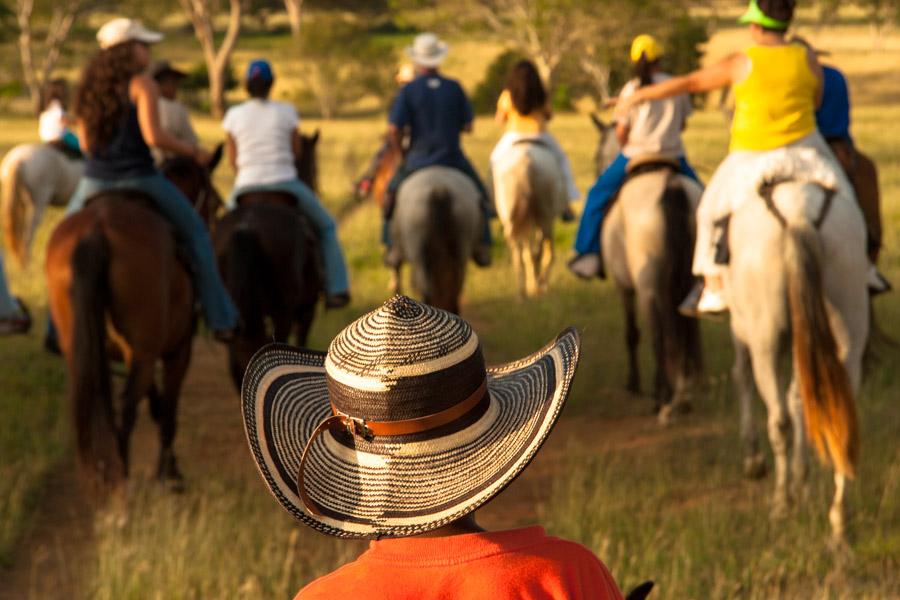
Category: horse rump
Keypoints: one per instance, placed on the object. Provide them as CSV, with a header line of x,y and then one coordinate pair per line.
x,y
17,209
90,392
824,384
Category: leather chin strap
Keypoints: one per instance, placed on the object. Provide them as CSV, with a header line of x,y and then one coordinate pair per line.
x,y
369,429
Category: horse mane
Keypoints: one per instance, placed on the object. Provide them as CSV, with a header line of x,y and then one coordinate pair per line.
x,y
678,279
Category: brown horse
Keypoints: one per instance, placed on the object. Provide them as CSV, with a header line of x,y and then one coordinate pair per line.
x,y
118,289
388,161
268,255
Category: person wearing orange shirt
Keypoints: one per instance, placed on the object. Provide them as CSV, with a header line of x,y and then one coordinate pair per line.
x,y
398,434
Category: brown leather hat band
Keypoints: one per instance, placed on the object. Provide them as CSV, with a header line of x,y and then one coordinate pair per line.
x,y
369,429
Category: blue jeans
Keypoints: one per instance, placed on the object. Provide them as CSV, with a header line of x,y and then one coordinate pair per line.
x,y
587,240
218,309
336,280
8,306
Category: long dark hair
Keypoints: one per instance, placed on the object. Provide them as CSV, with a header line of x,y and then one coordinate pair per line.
x,y
526,88
643,70
782,10
102,94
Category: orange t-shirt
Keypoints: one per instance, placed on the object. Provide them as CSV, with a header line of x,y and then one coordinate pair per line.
x,y
520,563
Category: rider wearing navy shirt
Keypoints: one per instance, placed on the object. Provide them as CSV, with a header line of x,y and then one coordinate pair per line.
x,y
435,111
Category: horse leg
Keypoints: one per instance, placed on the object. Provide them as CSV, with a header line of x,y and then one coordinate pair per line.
x,y
174,367
281,325
768,382
546,259
137,385
515,251
742,376
662,385
632,338
529,261
395,284
304,319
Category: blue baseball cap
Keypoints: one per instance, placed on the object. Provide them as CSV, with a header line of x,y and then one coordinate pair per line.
x,y
260,69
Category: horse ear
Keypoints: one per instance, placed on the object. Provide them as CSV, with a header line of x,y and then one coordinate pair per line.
x,y
598,122
640,592
315,136
216,158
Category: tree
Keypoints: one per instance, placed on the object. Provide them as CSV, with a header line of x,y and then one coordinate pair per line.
x,y
201,13
62,17
295,16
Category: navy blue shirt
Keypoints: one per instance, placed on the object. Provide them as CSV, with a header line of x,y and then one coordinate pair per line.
x,y
833,117
126,155
435,109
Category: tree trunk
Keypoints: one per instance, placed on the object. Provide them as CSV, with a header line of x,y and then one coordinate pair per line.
x,y
295,16
24,8
201,17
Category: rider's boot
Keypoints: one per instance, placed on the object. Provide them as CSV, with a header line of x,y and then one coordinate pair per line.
x,y
704,300
877,283
587,266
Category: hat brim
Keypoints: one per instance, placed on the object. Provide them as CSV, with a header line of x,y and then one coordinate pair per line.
x,y
383,487
170,72
428,61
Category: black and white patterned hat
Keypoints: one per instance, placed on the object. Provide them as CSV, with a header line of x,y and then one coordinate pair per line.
x,y
400,428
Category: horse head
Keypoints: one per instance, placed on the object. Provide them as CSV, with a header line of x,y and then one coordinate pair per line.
x,y
195,181
607,145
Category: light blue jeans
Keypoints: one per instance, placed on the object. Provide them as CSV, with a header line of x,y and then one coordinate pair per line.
x,y
336,280
218,308
8,306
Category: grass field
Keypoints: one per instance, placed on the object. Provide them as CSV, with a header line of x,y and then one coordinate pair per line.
x,y
668,505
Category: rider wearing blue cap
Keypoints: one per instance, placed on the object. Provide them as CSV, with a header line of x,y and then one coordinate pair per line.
x,y
262,144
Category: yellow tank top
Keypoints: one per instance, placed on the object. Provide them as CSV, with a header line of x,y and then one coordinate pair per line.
x,y
532,123
775,104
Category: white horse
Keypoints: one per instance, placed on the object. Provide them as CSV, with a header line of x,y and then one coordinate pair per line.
x,y
797,279
436,224
33,177
529,193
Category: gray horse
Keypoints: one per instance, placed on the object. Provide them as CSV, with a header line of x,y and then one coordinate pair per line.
x,y
436,225
648,242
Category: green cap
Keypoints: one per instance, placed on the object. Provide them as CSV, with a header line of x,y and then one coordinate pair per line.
x,y
755,15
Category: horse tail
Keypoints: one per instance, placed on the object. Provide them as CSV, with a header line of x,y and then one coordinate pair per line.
x,y
440,276
824,385
16,206
683,339
90,387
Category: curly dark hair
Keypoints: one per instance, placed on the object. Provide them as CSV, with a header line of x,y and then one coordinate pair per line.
x,y
526,88
102,94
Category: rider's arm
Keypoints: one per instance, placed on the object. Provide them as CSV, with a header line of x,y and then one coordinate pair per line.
x,y
816,68
296,146
622,132
145,94
710,78
231,151
396,137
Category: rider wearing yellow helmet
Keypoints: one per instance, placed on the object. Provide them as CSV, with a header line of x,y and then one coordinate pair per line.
x,y
653,128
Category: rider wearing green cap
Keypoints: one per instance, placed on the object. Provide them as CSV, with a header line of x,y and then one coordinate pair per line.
x,y
777,86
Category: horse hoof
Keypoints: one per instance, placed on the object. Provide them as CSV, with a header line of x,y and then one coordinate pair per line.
x,y
666,415
779,511
755,466
174,483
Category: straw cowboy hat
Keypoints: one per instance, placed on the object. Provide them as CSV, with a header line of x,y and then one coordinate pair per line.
x,y
427,50
400,428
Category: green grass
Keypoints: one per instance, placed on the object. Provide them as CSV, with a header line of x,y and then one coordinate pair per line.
x,y
677,512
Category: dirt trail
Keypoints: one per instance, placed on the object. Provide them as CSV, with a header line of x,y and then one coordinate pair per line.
x,y
52,558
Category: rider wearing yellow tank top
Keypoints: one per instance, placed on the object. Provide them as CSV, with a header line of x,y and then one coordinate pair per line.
x,y
775,103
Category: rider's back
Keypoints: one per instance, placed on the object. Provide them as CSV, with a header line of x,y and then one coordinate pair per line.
x,y
125,154
775,103
655,127
436,110
262,130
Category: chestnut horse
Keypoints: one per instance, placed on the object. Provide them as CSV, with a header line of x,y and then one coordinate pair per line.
x,y
118,289
268,255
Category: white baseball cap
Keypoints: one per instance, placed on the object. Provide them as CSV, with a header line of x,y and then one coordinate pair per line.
x,y
121,30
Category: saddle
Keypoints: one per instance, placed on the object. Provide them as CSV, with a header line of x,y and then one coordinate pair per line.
x,y
649,163
275,198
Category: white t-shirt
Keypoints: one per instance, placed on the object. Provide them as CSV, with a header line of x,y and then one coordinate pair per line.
x,y
262,131
655,126
51,126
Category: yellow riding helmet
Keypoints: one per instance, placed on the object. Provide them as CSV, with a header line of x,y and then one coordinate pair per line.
x,y
645,45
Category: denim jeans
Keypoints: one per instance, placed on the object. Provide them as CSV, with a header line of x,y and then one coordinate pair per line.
x,y
466,167
336,279
218,308
8,306
587,240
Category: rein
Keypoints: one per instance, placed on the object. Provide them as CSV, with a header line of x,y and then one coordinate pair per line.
x,y
767,189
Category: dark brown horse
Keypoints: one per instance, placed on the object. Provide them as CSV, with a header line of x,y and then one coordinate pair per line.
x,y
269,258
118,289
